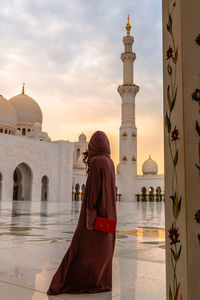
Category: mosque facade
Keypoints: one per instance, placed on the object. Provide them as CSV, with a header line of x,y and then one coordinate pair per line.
x,y
32,167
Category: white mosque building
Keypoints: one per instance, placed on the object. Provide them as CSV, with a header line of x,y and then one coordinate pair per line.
x,y
32,167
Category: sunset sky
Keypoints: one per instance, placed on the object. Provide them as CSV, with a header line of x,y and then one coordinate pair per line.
x,y
68,54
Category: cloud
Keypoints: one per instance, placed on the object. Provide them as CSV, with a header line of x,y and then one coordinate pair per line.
x,y
68,53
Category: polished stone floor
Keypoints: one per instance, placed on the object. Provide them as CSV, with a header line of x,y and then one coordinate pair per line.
x,y
34,237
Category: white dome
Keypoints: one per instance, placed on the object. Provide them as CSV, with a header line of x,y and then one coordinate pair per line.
x,y
37,126
80,159
27,109
8,117
150,167
18,132
82,137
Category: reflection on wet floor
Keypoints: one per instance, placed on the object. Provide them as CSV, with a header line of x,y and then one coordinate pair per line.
x,y
35,236
146,232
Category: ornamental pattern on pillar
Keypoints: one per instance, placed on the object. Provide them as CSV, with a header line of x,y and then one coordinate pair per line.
x,y
197,218
198,39
173,136
196,97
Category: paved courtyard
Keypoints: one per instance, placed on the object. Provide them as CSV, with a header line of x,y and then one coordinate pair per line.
x,y
35,236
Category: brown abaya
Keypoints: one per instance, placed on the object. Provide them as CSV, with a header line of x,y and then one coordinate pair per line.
x,y
87,264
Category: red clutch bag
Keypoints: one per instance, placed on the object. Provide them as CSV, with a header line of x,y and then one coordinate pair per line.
x,y
105,224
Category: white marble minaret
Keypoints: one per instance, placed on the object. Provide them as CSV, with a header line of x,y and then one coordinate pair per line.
x,y
128,130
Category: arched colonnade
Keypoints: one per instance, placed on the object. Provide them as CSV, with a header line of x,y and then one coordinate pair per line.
x,y
151,194
22,184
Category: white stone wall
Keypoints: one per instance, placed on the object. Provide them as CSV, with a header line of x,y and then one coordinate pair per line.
x,y
43,158
79,177
65,169
55,160
138,182
149,181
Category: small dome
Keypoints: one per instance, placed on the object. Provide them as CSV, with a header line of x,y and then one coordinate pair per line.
x,y
18,132
37,126
82,137
27,109
80,164
150,167
8,117
80,159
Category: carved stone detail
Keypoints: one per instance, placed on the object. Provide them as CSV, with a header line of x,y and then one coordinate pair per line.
x,y
125,89
124,158
129,56
124,134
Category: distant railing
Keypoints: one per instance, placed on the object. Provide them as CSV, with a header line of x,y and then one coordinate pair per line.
x,y
139,197
79,196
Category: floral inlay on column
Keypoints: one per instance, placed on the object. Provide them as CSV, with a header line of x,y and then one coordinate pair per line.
x,y
196,97
198,40
173,137
197,218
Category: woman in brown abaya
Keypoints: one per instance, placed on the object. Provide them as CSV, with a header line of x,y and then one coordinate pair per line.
x,y
87,264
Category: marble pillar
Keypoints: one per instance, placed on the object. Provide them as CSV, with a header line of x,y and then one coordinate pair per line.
x,y
181,67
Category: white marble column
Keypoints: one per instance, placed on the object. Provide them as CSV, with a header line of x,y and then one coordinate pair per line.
x,y
181,57
7,185
36,186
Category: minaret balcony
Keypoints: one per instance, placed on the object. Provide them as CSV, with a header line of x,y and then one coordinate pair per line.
x,y
128,56
134,159
134,135
128,88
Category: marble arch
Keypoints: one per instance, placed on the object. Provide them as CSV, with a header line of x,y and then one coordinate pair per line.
x,y
22,182
45,188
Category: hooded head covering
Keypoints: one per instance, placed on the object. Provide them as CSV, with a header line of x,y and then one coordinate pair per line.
x,y
98,145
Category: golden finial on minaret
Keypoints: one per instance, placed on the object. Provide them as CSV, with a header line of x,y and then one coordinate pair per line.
x,y
128,26
23,88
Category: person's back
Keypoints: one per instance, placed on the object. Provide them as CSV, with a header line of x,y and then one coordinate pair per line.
x,y
87,265
106,204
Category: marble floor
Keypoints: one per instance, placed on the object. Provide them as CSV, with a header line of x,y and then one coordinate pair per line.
x,y
35,236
